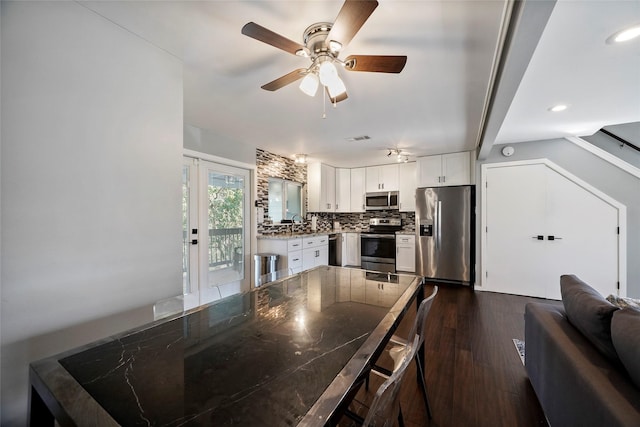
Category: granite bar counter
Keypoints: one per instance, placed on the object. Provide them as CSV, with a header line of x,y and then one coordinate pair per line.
x,y
288,353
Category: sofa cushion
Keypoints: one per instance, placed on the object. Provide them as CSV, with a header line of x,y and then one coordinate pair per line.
x,y
625,334
590,313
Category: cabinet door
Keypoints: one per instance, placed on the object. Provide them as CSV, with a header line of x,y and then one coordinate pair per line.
x,y
373,179
456,169
314,186
328,190
309,256
343,190
406,257
407,190
322,255
357,189
353,249
388,177
429,171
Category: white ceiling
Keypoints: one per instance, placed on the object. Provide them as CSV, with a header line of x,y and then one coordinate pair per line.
x,y
434,106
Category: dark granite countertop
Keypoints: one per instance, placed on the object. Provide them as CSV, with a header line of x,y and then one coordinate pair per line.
x,y
283,354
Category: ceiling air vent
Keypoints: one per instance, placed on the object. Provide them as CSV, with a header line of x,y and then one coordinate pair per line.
x,y
359,138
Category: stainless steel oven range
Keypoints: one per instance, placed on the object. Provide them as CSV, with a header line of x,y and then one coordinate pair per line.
x,y
378,245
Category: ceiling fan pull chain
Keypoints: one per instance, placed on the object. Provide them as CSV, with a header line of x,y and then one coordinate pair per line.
x,y
324,104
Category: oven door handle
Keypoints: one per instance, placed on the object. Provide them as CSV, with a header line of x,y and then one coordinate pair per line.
x,y
377,236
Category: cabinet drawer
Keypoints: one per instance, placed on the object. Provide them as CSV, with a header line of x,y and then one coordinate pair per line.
x,y
403,239
315,241
295,260
294,245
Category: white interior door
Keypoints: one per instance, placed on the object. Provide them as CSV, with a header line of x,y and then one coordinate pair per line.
x,y
515,203
541,223
584,229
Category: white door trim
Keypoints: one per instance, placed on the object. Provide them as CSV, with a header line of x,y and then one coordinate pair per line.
x,y
622,215
604,155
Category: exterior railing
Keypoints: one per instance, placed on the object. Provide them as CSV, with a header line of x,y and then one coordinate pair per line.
x,y
225,247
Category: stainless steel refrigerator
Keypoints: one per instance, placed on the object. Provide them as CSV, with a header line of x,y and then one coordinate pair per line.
x,y
445,233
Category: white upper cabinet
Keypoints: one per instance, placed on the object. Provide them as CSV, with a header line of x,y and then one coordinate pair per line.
x,y
445,169
408,185
357,189
382,178
321,187
343,190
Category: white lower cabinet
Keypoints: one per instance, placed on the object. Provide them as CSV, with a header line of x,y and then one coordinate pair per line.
x,y
406,253
352,253
315,251
297,253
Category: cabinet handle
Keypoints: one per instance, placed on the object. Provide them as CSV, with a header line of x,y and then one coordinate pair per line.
x,y
444,179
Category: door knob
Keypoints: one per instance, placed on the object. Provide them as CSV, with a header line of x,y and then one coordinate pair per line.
x,y
539,237
194,242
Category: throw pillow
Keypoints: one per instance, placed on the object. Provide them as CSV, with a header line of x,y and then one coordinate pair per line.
x,y
590,313
623,302
625,333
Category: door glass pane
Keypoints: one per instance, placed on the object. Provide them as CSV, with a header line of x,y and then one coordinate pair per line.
x,y
186,286
226,233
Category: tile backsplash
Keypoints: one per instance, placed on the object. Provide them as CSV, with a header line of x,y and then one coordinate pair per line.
x,y
270,165
273,165
358,221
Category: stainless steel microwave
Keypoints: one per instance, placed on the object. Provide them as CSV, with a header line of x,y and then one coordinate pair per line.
x,y
382,200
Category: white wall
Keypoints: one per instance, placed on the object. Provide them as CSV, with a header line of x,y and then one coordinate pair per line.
x,y
209,142
91,164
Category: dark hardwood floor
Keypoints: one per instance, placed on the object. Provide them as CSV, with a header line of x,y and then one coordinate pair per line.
x,y
473,372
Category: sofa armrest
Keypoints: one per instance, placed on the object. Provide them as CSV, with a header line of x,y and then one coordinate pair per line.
x,y
575,384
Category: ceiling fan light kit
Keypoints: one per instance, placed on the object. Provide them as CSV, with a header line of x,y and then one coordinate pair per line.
x,y
309,84
322,43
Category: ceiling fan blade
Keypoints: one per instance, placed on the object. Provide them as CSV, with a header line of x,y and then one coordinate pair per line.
x,y
375,63
285,80
352,16
264,35
338,98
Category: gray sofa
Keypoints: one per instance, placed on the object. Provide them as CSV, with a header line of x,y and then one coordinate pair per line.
x,y
583,358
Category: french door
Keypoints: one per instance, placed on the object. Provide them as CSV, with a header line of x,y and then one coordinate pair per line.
x,y
216,232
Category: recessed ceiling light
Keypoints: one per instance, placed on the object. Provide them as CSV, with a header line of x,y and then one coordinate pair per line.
x,y
625,35
559,107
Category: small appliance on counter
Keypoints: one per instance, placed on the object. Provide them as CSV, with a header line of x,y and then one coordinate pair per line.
x,y
314,223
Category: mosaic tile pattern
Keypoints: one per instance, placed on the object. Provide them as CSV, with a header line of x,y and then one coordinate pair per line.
x,y
273,165
270,165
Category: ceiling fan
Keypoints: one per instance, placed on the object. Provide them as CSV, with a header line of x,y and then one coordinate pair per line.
x,y
323,42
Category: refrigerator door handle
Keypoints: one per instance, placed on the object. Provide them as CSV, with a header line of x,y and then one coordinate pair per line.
x,y
438,223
